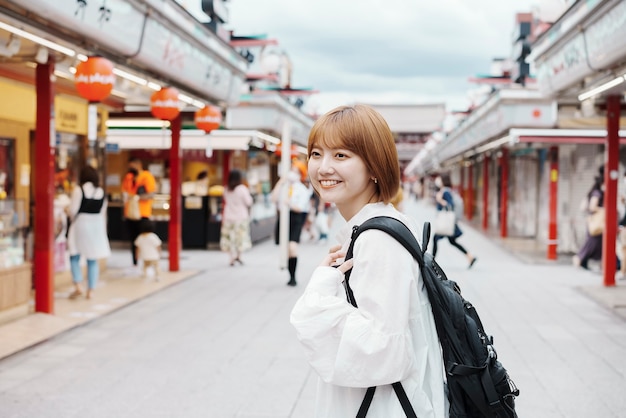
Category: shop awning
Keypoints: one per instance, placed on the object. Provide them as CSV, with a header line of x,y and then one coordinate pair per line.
x,y
189,139
561,136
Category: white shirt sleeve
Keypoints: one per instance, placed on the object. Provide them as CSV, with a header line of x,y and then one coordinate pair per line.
x,y
371,345
300,198
75,201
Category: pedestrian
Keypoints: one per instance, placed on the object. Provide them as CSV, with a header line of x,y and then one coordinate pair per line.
x,y
322,220
445,201
298,202
391,336
138,187
235,232
148,246
87,235
592,247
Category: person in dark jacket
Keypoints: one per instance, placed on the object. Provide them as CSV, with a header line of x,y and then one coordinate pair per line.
x,y
444,200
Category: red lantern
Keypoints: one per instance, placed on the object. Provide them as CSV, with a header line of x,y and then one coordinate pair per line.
x,y
279,150
208,118
94,78
164,104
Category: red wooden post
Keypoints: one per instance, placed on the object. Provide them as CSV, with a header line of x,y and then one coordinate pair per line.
x,y
174,226
486,163
470,192
43,255
462,187
553,203
611,175
504,192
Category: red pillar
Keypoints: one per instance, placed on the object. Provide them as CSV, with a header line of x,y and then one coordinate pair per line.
x,y
611,175
504,192
462,187
553,202
43,255
486,162
174,227
470,192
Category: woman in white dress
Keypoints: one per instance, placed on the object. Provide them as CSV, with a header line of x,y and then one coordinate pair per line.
x,y
87,235
391,336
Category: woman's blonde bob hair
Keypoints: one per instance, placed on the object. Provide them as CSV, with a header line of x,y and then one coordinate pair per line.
x,y
363,131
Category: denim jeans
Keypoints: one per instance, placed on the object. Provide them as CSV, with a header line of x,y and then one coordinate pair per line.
x,y
77,273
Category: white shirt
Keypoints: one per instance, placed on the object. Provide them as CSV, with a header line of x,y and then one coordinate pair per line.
x,y
237,204
300,199
148,244
391,336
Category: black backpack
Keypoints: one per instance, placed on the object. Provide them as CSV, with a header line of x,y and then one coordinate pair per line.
x,y
477,384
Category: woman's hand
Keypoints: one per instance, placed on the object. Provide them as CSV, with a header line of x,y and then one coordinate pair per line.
x,y
335,254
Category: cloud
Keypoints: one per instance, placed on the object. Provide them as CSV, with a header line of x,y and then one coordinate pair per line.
x,y
392,49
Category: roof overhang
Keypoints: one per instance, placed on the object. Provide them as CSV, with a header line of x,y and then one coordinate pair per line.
x,y
219,139
561,136
428,160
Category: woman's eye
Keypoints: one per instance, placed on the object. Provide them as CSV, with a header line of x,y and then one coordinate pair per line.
x,y
314,154
340,155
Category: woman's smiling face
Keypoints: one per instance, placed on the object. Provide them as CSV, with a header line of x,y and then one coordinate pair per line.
x,y
341,177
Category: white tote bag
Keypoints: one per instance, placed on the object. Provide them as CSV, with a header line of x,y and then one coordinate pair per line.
x,y
444,223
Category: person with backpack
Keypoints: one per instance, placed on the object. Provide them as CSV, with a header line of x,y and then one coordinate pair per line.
x,y
445,201
87,234
378,357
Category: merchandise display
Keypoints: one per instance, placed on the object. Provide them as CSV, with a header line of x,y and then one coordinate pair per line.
x,y
12,229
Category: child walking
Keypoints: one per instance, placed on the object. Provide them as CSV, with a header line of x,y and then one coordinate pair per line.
x,y
148,247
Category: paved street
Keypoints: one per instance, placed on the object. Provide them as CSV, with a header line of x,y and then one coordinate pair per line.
x,y
219,344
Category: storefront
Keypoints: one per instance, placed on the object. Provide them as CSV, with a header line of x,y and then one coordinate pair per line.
x,y
18,172
581,60
206,162
44,118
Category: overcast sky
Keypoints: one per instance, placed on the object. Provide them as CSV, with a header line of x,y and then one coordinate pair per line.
x,y
391,51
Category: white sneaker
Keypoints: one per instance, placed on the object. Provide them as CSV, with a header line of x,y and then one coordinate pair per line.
x,y
620,275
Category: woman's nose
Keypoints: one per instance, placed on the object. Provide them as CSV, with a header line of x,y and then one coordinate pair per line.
x,y
325,165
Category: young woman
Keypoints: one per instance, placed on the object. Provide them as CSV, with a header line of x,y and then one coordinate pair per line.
x,y
87,235
298,202
235,233
445,201
391,337
592,247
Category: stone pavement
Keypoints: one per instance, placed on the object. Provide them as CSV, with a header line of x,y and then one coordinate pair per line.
x,y
218,343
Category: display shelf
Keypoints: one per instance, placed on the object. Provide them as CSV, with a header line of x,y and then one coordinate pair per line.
x,y
13,230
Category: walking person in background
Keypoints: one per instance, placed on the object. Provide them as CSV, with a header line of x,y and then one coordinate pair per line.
x,y
592,247
148,245
445,201
298,202
87,235
391,336
235,233
322,220
138,187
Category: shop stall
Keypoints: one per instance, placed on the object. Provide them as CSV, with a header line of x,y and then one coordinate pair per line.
x,y
206,160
